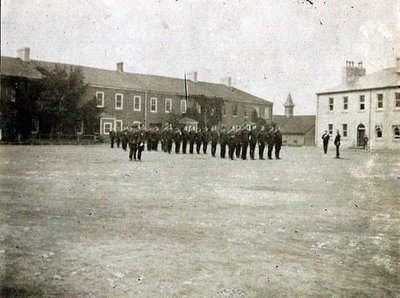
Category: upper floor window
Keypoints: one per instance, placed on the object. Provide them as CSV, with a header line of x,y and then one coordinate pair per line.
x,y
396,132
137,103
379,132
234,110
345,103
153,105
330,129
119,101
183,106
379,101
344,130
168,105
397,100
331,101
362,102
100,99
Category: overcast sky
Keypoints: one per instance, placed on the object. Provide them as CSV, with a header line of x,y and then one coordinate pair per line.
x,y
269,48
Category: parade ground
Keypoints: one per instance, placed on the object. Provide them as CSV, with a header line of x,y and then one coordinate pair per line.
x,y
84,221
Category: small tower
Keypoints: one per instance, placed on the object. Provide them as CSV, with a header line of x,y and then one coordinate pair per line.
x,y
289,106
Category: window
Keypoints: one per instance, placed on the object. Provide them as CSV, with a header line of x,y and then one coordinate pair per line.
x,y
379,101
330,129
344,130
396,132
379,132
107,127
245,113
13,95
331,104
345,103
153,105
198,108
119,101
183,106
100,99
234,110
397,100
168,105
137,103
362,102
267,113
118,125
257,109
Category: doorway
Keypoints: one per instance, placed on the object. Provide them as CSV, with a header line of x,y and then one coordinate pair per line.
x,y
360,135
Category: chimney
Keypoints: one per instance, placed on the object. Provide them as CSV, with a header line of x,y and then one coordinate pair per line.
x,y
120,66
352,73
24,54
192,76
226,81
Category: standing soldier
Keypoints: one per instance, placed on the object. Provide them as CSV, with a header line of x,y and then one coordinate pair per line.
x,y
124,138
214,140
245,142
169,136
270,141
232,142
337,144
177,140
118,137
325,141
147,134
132,140
199,137
223,141
205,139
278,142
185,138
156,138
192,139
238,139
140,142
253,135
112,138
262,138
164,138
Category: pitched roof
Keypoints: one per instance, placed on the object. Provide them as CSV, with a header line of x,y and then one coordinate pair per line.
x,y
125,80
384,78
294,125
289,101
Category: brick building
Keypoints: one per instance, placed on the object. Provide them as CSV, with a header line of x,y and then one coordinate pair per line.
x,y
127,98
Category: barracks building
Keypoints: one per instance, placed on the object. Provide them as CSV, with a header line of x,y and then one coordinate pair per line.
x,y
363,105
128,98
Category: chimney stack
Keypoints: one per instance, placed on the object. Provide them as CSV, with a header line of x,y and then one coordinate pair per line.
x,y
120,66
352,73
226,81
24,54
192,76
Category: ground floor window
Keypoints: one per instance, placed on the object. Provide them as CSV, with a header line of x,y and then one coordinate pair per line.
x,y
330,129
344,130
118,125
396,132
379,132
107,127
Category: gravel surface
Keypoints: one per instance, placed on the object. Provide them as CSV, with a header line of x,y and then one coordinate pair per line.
x,y
83,221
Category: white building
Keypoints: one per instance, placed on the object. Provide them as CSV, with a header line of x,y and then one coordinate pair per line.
x,y
362,105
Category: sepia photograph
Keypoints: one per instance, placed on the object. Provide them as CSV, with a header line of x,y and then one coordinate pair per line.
x,y
200,148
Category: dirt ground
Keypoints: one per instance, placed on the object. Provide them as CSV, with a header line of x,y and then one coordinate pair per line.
x,y
83,221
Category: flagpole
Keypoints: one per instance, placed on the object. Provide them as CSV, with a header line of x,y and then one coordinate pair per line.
x,y
186,89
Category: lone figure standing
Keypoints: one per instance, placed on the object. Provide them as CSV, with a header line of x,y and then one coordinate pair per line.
x,y
325,141
337,144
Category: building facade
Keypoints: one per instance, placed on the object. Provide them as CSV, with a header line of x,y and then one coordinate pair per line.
x,y
128,98
363,105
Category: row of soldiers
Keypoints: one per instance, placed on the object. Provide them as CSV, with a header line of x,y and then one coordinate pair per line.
x,y
236,140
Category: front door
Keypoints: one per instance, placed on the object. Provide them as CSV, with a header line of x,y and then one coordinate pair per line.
x,y
360,135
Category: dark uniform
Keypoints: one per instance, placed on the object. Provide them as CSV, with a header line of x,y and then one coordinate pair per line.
x,y
205,139
148,139
253,135
278,143
124,139
262,139
133,135
192,140
270,142
140,141
238,138
177,140
337,144
245,142
199,138
223,142
112,138
325,141
185,138
169,136
164,139
156,135
214,141
118,137
232,142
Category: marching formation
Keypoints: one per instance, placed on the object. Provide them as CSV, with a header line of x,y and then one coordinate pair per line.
x,y
233,143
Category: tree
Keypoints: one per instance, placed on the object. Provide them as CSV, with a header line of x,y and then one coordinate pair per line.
x,y
210,110
59,101
90,116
